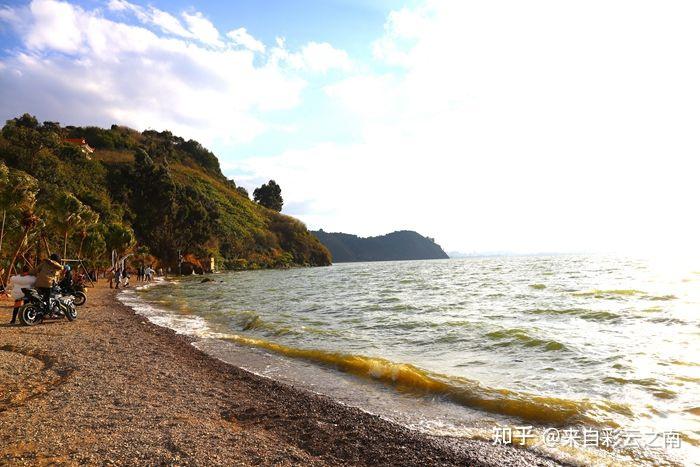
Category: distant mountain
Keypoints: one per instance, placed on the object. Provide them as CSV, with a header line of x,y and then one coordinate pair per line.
x,y
396,246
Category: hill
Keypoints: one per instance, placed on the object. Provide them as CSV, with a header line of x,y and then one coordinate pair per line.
x,y
151,193
401,245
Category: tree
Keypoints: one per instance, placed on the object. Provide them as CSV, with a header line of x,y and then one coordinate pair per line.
x,y
93,245
154,204
269,195
18,193
119,237
67,215
88,220
243,191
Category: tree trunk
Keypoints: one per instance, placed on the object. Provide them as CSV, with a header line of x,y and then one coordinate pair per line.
x,y
2,232
46,245
80,249
14,257
65,244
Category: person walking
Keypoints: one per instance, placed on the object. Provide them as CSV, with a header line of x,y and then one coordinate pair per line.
x,y
24,280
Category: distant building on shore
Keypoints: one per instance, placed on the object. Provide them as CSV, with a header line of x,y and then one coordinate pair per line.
x,y
80,142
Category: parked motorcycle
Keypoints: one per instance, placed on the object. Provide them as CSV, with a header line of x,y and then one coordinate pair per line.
x,y
77,290
35,309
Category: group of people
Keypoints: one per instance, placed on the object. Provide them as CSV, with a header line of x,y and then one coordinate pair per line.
x,y
145,274
47,273
119,276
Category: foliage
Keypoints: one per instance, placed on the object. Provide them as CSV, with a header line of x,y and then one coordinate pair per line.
x,y
401,245
269,195
150,192
243,191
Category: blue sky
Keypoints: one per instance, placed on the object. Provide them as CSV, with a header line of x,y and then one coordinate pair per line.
x,y
350,25
491,126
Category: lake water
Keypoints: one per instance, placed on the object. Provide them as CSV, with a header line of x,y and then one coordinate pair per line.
x,y
461,346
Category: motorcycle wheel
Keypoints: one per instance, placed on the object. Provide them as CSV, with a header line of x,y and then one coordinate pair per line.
x,y
79,298
29,315
70,312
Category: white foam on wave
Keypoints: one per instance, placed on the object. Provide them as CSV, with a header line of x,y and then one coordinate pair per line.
x,y
189,325
152,283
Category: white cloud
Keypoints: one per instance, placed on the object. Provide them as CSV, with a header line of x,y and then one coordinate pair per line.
x,y
119,5
8,15
152,16
525,126
202,29
57,27
114,72
168,23
321,57
401,29
503,125
242,38
317,57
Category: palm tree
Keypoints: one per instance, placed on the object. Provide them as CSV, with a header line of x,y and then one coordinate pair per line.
x,y
21,189
88,219
66,216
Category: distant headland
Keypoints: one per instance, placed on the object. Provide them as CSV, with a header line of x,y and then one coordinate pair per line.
x,y
395,246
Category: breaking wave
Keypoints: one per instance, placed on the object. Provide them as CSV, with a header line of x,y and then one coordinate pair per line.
x,y
408,378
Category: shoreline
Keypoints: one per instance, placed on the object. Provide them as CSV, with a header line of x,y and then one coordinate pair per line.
x,y
113,386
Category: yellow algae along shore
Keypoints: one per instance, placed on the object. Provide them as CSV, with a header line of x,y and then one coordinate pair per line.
x,y
561,342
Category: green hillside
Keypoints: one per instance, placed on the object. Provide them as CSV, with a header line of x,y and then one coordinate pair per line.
x,y
395,246
151,193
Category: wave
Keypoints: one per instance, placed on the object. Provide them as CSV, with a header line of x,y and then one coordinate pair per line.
x,y
410,379
591,315
509,337
660,297
538,286
619,293
613,293
655,387
181,324
251,321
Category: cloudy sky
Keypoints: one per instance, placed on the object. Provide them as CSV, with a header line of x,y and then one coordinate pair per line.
x,y
498,125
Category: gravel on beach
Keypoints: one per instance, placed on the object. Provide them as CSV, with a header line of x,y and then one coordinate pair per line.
x,y
112,388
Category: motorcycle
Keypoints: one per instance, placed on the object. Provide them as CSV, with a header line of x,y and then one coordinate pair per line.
x,y
77,290
35,309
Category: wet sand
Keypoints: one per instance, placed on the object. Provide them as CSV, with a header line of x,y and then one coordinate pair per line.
x,y
112,388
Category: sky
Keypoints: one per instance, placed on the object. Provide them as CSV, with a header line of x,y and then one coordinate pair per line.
x,y
509,126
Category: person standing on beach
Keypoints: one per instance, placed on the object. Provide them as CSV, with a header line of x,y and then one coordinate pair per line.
x,y
67,280
110,277
46,273
24,280
125,277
